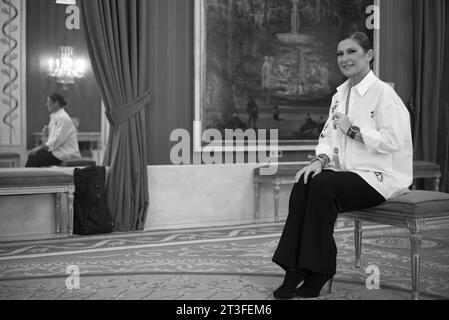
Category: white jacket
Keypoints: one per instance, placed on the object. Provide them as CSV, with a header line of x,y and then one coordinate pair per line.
x,y
385,160
62,138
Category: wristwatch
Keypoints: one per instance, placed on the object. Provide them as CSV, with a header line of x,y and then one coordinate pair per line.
x,y
321,158
353,131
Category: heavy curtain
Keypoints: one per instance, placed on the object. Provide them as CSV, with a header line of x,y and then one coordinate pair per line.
x,y
431,55
116,33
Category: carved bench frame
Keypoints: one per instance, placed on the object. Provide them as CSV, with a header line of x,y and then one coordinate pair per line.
x,y
68,190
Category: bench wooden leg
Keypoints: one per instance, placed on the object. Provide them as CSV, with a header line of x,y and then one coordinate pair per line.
x,y
415,227
257,201
58,213
358,243
70,199
276,188
437,184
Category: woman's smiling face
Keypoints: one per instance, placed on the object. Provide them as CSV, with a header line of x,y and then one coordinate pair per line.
x,y
353,61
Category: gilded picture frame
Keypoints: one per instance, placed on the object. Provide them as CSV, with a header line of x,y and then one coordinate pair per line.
x,y
272,65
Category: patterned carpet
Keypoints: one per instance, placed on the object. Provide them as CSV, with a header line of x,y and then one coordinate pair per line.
x,y
228,263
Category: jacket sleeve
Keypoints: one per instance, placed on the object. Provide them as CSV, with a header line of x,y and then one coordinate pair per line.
x,y
392,122
58,134
325,140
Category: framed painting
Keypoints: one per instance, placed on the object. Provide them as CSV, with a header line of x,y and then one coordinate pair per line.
x,y
271,64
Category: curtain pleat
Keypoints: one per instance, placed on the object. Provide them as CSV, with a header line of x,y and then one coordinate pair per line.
x,y
431,19
116,32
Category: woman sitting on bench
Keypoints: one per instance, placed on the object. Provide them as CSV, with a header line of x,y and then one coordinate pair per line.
x,y
60,142
364,157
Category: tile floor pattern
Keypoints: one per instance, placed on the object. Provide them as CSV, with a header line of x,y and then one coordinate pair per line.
x,y
230,263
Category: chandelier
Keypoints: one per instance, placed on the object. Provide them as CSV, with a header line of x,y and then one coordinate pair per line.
x,y
64,68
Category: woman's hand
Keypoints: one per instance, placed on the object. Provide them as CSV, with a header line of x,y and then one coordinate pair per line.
x,y
314,167
45,132
35,150
341,121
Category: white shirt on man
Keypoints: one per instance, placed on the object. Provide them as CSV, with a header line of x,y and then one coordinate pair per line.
x,y
385,160
62,138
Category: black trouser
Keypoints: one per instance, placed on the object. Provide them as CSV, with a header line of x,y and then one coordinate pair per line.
x,y
307,242
42,158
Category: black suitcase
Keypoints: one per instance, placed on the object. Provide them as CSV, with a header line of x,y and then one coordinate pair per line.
x,y
91,215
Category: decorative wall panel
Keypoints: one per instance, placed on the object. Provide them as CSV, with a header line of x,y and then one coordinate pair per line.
x,y
12,73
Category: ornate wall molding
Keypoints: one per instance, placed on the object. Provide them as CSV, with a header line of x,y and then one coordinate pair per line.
x,y
12,73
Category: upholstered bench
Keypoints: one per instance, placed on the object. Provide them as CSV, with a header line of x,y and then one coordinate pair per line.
x,y
12,159
285,175
426,170
26,181
287,171
410,211
78,162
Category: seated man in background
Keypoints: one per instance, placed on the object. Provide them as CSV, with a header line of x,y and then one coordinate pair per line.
x,y
60,142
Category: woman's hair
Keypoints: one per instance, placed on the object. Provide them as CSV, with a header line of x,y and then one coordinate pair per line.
x,y
59,98
362,39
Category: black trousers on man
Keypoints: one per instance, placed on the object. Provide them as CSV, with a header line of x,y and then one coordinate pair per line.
x,y
42,158
307,242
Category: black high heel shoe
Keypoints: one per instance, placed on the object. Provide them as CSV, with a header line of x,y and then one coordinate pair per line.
x,y
291,281
313,284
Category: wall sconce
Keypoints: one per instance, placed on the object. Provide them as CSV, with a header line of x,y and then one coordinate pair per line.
x,y
64,68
